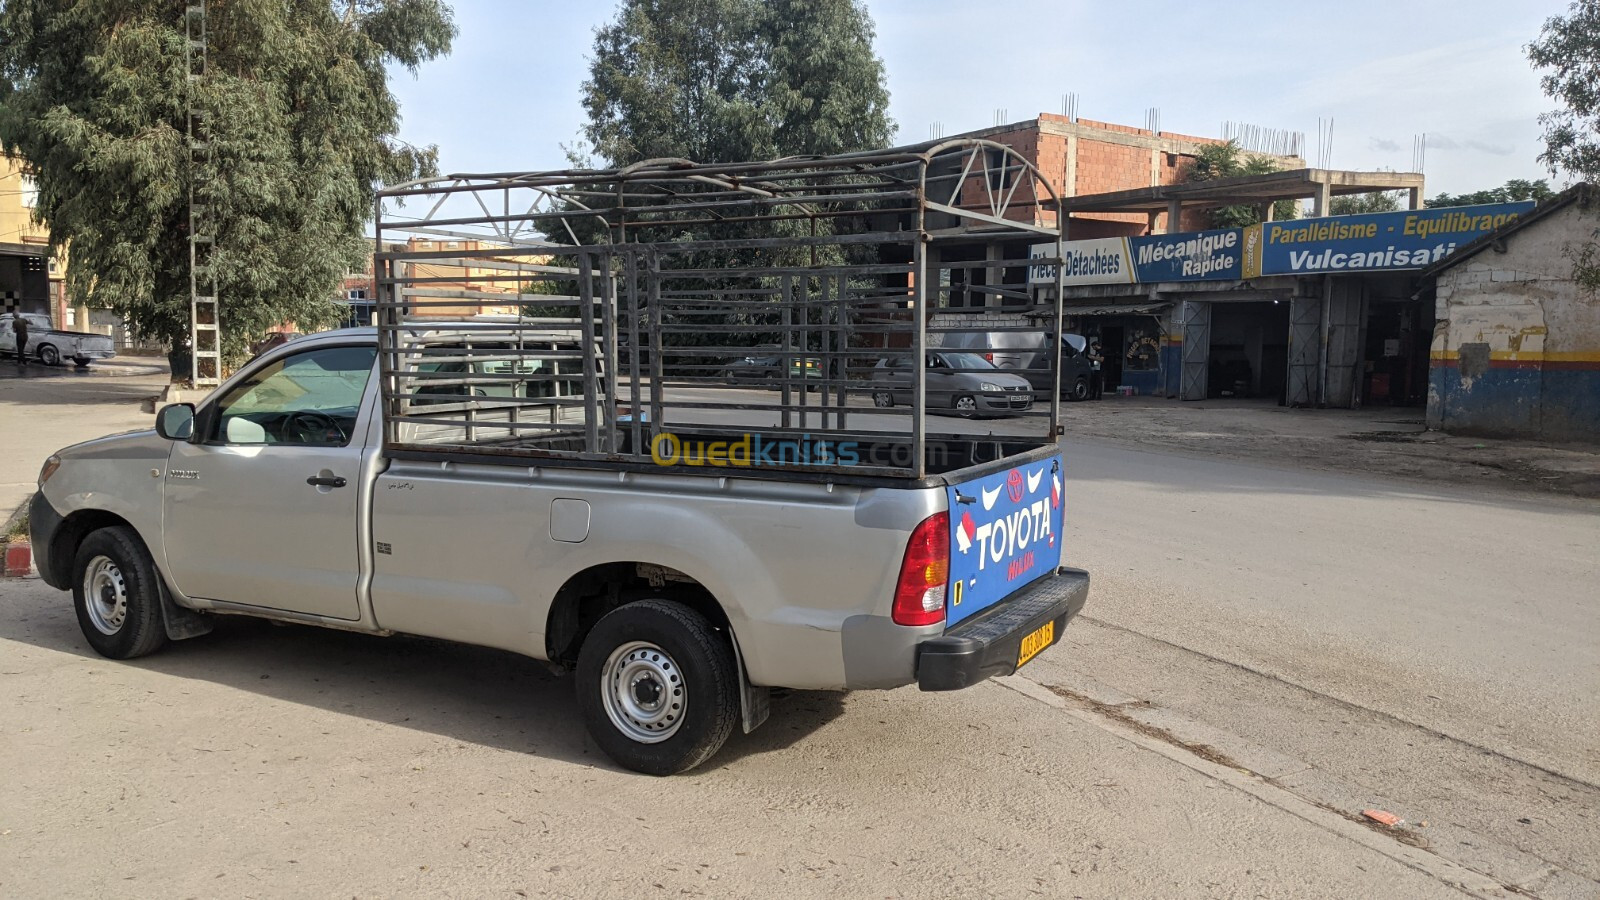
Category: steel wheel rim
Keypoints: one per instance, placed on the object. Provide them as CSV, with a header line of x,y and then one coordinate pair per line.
x,y
643,692
105,595
882,400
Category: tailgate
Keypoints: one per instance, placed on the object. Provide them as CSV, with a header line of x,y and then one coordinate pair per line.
x,y
1005,531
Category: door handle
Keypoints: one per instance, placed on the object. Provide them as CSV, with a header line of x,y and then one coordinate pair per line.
x,y
320,481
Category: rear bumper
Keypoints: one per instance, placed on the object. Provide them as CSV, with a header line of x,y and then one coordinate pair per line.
x,y
988,644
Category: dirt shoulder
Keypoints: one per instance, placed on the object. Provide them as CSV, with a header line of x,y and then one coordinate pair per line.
x,y
1378,441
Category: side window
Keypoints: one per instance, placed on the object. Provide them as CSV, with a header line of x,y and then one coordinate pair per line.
x,y
311,397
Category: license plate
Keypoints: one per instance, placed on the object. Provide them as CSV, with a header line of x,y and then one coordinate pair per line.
x,y
1034,644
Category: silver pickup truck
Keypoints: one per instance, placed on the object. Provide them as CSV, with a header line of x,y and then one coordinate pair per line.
x,y
681,545
51,346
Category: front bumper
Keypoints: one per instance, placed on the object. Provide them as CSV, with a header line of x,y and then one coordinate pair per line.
x,y
989,643
1008,401
43,523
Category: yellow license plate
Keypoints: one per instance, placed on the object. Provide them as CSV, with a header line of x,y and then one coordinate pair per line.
x,y
1034,644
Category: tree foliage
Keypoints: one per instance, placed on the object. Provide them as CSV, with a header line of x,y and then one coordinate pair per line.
x,y
1357,204
298,117
1569,47
1511,191
728,81
1226,160
731,80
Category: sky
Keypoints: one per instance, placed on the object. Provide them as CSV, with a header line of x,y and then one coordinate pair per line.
x,y
507,98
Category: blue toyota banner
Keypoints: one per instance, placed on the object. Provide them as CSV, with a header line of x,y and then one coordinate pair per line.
x,y
1188,256
1005,531
1408,239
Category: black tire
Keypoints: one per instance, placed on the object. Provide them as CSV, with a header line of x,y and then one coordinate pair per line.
x,y
883,400
970,411
49,355
710,685
1080,390
81,363
139,629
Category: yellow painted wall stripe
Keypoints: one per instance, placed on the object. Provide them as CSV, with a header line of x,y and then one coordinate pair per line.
x,y
1525,355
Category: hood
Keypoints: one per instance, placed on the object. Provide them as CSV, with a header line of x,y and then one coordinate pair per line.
x,y
145,444
998,376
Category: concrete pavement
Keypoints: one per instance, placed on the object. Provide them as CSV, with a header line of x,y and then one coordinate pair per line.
x,y
282,761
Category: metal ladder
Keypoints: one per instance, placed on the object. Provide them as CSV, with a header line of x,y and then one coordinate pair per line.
x,y
205,321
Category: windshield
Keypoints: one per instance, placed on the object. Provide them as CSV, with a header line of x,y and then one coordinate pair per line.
x,y
967,361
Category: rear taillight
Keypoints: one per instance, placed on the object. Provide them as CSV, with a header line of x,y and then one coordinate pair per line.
x,y
989,357
924,573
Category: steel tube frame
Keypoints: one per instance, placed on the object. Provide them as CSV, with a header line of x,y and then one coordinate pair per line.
x,y
649,309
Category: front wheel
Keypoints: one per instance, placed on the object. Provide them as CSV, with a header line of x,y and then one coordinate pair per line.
x,y
883,399
658,687
116,591
966,405
1080,390
49,355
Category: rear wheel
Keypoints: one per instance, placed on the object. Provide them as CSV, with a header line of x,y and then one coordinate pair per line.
x,y
117,594
658,687
883,399
49,355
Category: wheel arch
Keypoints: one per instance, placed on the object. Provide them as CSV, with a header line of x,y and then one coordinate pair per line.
x,y
70,535
590,593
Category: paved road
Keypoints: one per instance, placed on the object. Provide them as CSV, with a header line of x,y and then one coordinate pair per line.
x,y
1365,642
44,408
1267,653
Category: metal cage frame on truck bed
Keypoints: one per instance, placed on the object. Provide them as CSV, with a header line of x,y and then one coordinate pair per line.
x,y
769,316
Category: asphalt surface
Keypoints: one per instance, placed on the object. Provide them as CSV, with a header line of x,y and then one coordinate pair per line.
x,y
1267,652
43,408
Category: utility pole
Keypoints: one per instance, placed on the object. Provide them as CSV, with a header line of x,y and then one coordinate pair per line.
x,y
205,324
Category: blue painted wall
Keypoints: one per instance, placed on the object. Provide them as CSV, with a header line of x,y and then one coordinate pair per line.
x,y
1555,403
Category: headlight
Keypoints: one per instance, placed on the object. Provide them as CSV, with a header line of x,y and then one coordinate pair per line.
x,y
990,387
49,468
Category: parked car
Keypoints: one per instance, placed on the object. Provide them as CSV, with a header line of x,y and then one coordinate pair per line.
x,y
52,346
1024,353
272,340
956,380
765,366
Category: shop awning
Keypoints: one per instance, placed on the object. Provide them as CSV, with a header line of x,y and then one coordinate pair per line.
x,y
1115,309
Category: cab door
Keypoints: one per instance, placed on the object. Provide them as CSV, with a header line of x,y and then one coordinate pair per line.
x,y
261,507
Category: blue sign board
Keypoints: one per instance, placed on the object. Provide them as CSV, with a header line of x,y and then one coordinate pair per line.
x,y
1005,531
1188,256
1408,239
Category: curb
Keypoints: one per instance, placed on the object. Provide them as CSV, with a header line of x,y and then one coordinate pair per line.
x,y
18,559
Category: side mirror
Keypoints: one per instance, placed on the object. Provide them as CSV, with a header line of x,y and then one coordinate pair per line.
x,y
175,421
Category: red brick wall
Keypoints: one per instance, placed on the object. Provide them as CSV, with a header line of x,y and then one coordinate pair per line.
x,y
1022,208
1102,167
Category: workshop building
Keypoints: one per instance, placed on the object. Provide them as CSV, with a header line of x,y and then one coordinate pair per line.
x,y
1516,347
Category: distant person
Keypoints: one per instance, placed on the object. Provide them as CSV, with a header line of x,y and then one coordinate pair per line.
x,y
19,328
1096,377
